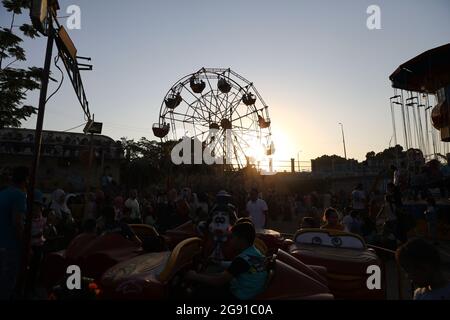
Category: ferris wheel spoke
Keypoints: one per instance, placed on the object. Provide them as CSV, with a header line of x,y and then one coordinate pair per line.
x,y
196,98
239,146
247,135
223,106
241,139
187,118
236,100
200,134
240,118
247,114
195,109
209,110
212,90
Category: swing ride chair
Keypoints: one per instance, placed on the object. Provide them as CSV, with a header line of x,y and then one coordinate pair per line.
x,y
422,93
217,100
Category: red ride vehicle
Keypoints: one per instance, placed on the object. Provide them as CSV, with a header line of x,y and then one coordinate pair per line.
x,y
346,258
160,276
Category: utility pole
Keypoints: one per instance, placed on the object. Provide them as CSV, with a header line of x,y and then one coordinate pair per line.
x,y
43,14
343,140
36,154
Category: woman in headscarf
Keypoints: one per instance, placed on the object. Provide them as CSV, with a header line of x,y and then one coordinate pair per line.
x,y
67,209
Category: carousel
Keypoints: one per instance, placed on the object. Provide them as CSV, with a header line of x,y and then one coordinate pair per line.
x,y
421,101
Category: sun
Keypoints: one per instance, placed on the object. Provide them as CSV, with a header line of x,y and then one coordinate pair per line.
x,y
284,151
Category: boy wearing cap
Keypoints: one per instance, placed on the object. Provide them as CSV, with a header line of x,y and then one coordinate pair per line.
x,y
246,276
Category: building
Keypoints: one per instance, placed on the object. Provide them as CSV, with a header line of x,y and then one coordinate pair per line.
x,y
65,158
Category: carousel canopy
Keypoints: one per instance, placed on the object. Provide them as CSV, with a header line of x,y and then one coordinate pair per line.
x,y
427,73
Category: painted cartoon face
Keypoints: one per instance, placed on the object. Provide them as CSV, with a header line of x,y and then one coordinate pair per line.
x,y
220,224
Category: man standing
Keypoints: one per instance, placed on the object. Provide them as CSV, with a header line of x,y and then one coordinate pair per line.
x,y
396,175
359,200
257,210
133,205
13,203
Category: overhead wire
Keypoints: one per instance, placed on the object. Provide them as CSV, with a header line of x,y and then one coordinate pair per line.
x,y
55,60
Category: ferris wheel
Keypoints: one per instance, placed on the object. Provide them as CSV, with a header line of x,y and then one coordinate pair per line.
x,y
223,111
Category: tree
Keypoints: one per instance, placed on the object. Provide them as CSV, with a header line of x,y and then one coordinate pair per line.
x,y
16,82
147,162
370,155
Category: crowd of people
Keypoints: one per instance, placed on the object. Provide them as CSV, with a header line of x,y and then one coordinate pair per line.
x,y
59,217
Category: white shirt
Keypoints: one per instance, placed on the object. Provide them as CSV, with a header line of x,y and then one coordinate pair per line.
x,y
358,198
256,212
347,222
396,177
133,205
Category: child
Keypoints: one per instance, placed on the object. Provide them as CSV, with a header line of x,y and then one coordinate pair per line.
x,y
247,274
308,223
331,219
422,263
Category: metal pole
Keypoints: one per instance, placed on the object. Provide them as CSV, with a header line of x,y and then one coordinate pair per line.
x,y
35,164
91,156
343,140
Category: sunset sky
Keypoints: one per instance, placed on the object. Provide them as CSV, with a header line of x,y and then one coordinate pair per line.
x,y
314,62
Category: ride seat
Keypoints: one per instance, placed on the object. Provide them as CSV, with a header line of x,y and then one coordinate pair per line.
x,y
144,230
180,257
185,231
147,276
321,296
286,282
316,272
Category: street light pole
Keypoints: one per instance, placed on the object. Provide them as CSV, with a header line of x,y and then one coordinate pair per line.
x,y
298,160
36,155
343,140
